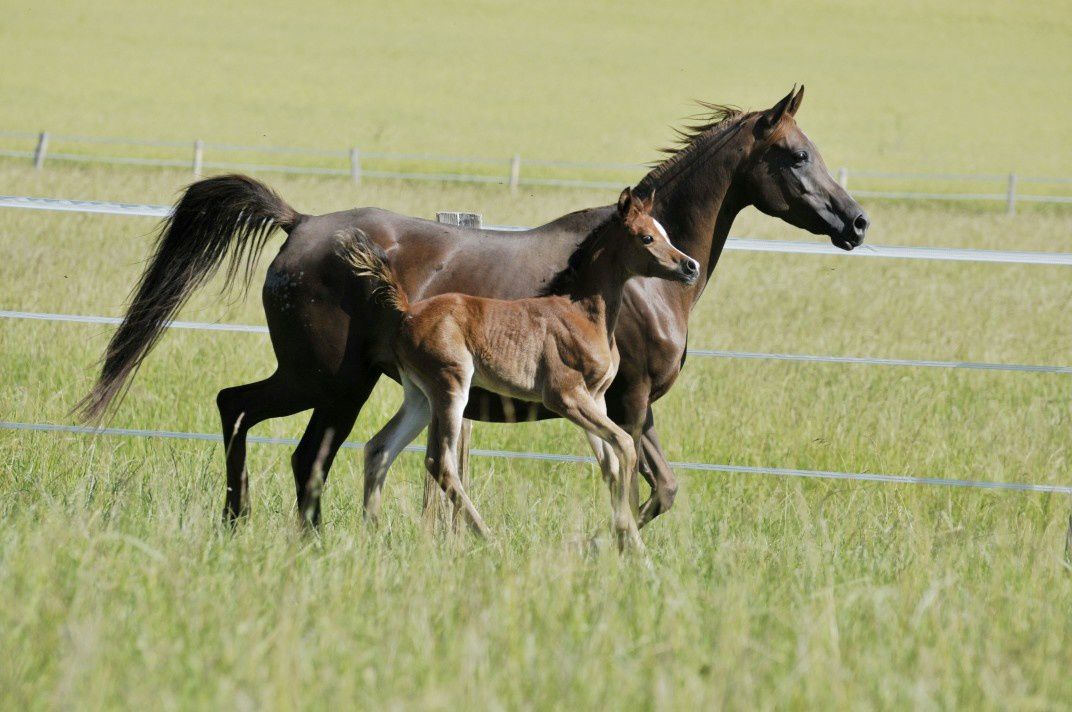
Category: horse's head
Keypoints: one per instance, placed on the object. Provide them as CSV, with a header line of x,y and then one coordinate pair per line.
x,y
786,177
647,250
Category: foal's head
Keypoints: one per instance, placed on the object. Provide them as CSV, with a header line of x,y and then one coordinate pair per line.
x,y
646,250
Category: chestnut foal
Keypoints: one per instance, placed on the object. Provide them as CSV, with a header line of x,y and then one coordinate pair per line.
x,y
557,349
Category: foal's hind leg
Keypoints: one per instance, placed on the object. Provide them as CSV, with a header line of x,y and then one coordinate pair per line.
x,y
442,463
385,446
241,408
448,395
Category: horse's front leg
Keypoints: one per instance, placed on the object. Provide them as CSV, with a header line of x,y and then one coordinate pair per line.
x,y
629,408
657,471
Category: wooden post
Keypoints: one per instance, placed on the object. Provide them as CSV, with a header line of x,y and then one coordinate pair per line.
x,y
436,507
460,219
355,165
515,172
41,150
199,153
1010,199
843,177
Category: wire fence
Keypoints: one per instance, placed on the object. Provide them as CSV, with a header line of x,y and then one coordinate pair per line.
x,y
130,209
556,457
357,165
734,243
694,353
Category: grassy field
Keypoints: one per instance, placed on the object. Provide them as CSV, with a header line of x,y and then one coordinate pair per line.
x,y
922,86
121,590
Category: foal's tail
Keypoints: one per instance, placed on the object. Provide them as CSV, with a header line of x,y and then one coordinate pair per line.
x,y
216,216
369,260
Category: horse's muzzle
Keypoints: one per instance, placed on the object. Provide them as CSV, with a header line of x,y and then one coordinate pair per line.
x,y
853,234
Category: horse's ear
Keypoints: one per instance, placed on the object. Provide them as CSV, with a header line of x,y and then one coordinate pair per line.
x,y
625,201
773,116
795,103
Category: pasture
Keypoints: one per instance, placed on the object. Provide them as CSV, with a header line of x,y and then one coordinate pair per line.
x,y
121,589
960,86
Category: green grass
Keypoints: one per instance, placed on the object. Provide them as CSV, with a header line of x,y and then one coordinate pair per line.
x,y
950,86
122,590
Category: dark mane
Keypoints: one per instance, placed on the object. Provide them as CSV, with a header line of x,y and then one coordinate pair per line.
x,y
693,141
566,281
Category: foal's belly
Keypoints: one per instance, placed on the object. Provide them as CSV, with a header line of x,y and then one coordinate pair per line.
x,y
516,380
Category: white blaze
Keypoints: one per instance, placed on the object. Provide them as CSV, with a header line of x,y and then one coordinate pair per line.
x,y
661,229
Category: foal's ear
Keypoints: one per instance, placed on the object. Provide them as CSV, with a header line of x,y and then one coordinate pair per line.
x,y
625,202
647,204
773,116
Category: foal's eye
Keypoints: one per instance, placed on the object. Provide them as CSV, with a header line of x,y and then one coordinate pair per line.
x,y
647,239
800,156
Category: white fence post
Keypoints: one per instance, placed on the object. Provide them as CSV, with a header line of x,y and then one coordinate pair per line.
x,y
41,150
355,165
1010,199
199,153
843,177
515,172
435,501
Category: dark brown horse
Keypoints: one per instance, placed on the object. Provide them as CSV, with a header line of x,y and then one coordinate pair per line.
x,y
329,333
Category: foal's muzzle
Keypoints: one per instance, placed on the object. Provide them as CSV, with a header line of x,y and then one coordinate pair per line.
x,y
689,269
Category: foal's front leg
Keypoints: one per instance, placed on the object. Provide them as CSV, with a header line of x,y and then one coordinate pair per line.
x,y
581,407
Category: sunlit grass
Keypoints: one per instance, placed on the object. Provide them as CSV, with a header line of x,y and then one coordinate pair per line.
x,y
122,590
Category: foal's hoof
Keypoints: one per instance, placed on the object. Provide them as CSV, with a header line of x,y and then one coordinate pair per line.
x,y
590,547
629,542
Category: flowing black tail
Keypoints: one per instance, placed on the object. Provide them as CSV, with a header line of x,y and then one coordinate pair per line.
x,y
215,216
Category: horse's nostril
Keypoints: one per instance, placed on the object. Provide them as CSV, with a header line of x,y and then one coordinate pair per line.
x,y
860,224
689,267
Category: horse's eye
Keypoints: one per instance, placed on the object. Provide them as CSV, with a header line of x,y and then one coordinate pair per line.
x,y
647,239
800,156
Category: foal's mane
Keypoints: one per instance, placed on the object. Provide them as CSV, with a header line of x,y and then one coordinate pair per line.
x,y
709,131
568,279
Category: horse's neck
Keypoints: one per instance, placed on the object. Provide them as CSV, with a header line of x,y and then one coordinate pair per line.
x,y
698,209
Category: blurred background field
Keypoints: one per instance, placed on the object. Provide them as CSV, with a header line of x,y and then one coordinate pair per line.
x,y
916,86
122,591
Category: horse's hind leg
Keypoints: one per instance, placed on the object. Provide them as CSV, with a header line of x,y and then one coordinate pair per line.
x,y
241,408
312,459
380,452
328,429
